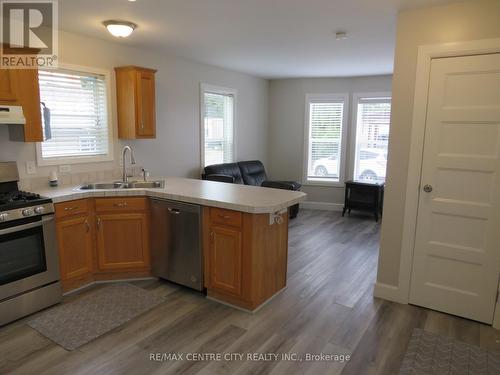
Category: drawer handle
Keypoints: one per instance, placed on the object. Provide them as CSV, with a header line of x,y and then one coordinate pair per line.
x,y
67,209
87,225
225,217
121,204
174,211
99,223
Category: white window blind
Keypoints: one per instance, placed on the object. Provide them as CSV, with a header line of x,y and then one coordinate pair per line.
x,y
372,136
218,128
78,114
325,140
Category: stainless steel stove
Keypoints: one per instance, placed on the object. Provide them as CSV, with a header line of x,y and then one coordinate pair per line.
x,y
29,264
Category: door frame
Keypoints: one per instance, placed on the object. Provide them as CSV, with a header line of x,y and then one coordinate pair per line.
x,y
426,53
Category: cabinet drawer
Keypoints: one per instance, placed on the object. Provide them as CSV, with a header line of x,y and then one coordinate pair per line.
x,y
228,217
120,204
72,208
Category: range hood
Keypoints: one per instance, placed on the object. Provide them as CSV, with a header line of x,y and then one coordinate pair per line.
x,y
12,115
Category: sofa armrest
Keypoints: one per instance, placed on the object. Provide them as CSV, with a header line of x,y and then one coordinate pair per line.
x,y
219,178
284,185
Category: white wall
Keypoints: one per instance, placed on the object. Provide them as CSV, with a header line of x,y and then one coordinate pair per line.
x,y
463,21
286,125
176,150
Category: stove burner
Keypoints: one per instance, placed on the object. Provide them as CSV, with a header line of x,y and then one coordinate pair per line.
x,y
17,197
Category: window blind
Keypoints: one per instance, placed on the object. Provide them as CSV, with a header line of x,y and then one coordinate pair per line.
x,y
372,136
78,114
325,140
218,128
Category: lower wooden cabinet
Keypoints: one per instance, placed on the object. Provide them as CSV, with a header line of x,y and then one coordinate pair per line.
x,y
122,241
245,256
76,247
226,259
101,239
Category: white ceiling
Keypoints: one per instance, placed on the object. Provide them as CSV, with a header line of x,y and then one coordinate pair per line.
x,y
267,38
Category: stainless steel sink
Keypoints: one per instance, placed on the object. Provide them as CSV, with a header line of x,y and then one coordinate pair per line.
x,y
123,185
144,185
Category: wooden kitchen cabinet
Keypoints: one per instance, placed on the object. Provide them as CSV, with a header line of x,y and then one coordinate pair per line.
x,y
21,87
245,256
76,243
123,242
226,259
136,102
7,94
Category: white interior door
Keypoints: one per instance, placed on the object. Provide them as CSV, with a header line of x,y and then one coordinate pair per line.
x,y
456,259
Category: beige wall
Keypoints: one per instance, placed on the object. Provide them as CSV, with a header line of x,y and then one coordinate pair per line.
x,y
286,125
464,21
176,150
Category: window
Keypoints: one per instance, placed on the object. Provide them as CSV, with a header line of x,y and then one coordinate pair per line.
x,y
373,116
325,134
217,125
78,129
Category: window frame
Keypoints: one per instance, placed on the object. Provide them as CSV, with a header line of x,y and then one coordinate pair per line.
x,y
325,98
354,123
41,161
205,87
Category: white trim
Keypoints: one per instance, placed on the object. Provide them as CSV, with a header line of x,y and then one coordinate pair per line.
x,y
84,159
334,97
388,292
323,206
356,96
205,87
425,55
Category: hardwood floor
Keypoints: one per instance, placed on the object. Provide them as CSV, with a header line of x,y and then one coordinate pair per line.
x,y
328,307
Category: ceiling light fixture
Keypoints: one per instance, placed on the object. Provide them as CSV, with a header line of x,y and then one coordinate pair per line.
x,y
120,29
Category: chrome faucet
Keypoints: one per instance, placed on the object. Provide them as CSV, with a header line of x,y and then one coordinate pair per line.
x,y
132,161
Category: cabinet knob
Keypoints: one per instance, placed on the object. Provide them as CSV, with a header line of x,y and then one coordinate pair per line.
x,y
428,188
98,223
87,225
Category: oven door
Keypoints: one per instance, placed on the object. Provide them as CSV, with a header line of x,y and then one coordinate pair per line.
x,y
28,256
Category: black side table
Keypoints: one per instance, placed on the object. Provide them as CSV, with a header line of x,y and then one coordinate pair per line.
x,y
364,196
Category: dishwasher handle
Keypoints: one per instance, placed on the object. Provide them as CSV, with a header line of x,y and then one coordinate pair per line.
x,y
174,211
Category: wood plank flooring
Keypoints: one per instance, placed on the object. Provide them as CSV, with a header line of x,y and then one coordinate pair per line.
x,y
328,307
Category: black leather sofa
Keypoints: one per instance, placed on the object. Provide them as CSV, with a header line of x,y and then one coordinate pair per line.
x,y
249,173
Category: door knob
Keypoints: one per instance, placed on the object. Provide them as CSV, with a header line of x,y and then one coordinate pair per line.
x,y
428,188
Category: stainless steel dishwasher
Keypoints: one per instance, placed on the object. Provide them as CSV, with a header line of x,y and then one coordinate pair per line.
x,y
176,242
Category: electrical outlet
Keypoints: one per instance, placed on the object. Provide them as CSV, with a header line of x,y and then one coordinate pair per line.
x,y
30,167
64,169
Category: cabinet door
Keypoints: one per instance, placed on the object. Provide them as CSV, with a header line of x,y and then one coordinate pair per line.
x,y
225,259
6,87
122,241
75,247
146,112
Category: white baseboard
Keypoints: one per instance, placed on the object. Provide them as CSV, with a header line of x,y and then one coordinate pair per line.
x,y
389,292
325,206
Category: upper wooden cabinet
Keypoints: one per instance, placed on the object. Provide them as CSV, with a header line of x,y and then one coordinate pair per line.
x,y
20,87
135,94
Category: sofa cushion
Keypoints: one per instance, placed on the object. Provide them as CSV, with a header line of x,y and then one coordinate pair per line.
x,y
228,169
253,172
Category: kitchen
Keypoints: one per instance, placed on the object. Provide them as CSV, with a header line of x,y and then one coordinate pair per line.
x,y
112,230
177,180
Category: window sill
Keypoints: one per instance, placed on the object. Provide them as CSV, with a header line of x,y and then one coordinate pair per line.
x,y
73,160
320,183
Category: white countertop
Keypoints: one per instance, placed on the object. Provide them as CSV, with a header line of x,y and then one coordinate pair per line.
x,y
251,199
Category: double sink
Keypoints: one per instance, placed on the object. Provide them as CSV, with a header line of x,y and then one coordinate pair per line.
x,y
123,185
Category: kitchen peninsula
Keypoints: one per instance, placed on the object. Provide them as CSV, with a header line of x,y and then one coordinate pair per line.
x,y
105,235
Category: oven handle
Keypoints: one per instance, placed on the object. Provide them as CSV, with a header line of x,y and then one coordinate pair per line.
x,y
18,228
